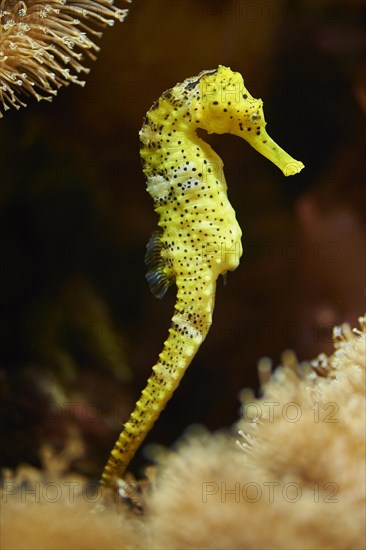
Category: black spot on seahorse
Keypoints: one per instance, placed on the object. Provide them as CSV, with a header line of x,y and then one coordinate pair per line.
x,y
193,84
210,73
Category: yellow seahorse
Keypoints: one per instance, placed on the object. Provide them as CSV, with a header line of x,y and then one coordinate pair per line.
x,y
199,237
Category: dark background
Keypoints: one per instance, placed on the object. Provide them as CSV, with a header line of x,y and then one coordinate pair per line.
x,y
79,328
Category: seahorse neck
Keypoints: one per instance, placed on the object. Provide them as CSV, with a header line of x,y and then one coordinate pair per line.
x,y
175,150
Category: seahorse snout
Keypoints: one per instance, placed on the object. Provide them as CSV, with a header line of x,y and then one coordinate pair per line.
x,y
250,124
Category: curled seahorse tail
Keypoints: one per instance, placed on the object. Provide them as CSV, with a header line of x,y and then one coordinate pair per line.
x,y
186,334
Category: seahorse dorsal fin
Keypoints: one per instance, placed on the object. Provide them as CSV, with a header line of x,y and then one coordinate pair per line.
x,y
157,276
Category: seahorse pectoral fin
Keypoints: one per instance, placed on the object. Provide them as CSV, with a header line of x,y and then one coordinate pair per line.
x,y
157,274
265,145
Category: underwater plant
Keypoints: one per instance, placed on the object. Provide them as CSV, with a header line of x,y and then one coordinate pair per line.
x,y
199,237
42,45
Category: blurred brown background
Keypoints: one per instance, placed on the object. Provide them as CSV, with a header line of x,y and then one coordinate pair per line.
x,y
80,330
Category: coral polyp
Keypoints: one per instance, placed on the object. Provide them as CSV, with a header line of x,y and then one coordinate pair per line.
x,y
42,45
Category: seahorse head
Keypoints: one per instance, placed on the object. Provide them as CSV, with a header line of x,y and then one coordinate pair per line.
x,y
226,106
